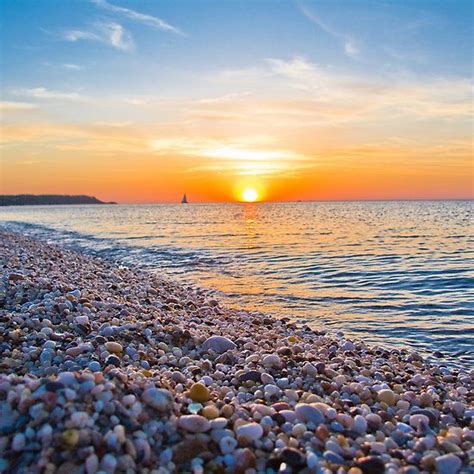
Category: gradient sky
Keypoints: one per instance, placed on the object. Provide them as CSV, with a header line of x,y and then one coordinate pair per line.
x,y
140,101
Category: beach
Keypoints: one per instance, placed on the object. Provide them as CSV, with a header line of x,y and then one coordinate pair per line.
x,y
110,369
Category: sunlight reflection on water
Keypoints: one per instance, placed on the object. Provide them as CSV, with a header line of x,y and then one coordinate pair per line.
x,y
388,272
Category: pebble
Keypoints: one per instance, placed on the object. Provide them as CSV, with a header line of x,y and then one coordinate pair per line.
x,y
448,464
271,360
158,398
194,423
387,396
219,344
199,393
250,431
308,413
114,347
371,465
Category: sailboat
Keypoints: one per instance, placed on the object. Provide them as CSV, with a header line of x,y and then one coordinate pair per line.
x,y
184,200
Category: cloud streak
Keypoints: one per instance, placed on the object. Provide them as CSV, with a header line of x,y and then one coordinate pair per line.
x,y
10,106
351,48
44,93
134,15
109,32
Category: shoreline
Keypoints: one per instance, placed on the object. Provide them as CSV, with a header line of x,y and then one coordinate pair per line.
x,y
112,368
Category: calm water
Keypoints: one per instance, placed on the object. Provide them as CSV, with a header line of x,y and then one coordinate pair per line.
x,y
396,273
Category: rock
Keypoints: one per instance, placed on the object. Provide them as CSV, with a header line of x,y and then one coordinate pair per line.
x,y
308,413
16,277
112,360
245,460
293,457
227,444
271,360
387,396
158,398
371,465
83,319
194,423
114,347
253,375
448,464
310,369
250,432
69,438
199,393
94,366
188,449
333,457
218,344
360,424
425,399
211,412
19,442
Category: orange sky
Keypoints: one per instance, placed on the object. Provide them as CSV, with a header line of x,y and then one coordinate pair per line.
x,y
122,123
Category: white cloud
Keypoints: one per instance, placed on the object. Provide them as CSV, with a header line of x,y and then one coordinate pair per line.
x,y
350,45
73,67
110,33
16,106
43,93
149,20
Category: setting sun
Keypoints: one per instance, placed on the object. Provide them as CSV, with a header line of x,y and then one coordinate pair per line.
x,y
249,195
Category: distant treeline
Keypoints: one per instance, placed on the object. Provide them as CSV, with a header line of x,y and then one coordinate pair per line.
x,y
47,199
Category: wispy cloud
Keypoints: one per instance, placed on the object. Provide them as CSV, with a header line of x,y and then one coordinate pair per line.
x,y
351,47
134,15
111,33
73,67
16,106
44,93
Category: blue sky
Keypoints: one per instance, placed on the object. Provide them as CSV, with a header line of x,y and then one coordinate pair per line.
x,y
384,38
288,77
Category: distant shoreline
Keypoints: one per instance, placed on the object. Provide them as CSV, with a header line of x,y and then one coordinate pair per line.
x,y
48,199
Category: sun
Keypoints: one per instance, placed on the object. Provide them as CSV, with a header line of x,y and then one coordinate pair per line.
x,y
249,195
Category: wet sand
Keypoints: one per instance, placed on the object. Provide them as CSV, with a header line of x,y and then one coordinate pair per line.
x,y
109,369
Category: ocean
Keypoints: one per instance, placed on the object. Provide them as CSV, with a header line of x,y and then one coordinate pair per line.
x,y
396,274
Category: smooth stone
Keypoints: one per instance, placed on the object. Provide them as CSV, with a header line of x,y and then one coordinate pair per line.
x,y
199,393
250,431
293,457
227,444
94,366
253,375
245,460
114,347
194,423
333,457
83,319
387,396
308,413
448,464
371,465
19,441
158,398
219,344
271,360
360,424
310,369
112,360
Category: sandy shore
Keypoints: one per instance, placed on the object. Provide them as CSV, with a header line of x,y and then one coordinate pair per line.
x,y
108,369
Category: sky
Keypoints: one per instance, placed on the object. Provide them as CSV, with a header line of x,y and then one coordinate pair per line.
x,y
144,100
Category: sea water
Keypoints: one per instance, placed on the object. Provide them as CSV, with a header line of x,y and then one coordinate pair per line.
x,y
398,274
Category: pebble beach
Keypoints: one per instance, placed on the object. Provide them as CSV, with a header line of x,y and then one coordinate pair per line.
x,y
108,369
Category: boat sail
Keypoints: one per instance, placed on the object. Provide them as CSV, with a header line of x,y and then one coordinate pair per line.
x,y
184,200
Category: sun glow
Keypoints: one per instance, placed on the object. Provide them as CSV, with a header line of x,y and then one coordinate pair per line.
x,y
250,195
